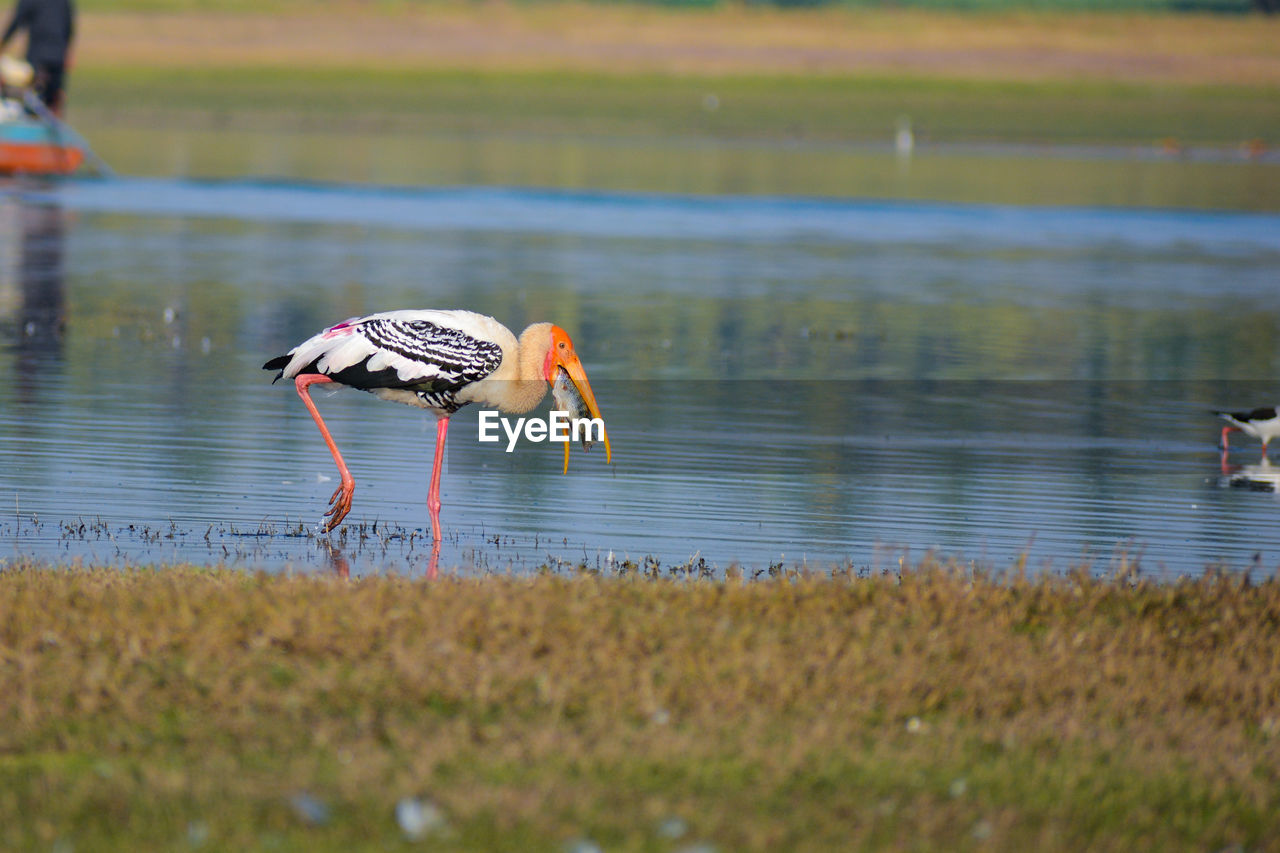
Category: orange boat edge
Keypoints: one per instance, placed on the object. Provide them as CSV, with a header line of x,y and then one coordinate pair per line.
x,y
39,158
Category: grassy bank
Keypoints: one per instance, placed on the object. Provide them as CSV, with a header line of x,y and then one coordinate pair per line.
x,y
734,73
782,108
165,708
737,39
726,100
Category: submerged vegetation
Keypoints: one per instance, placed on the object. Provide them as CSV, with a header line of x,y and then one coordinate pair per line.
x,y
184,706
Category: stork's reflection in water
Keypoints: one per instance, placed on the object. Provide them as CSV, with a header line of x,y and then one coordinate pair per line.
x,y
337,561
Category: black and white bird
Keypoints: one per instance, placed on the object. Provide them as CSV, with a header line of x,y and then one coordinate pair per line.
x,y
1263,424
436,360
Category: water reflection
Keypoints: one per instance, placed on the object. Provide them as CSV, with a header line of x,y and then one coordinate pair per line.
x,y
32,289
336,559
1262,477
1003,174
339,554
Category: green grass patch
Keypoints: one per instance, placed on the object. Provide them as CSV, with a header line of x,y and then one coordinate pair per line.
x,y
776,108
187,707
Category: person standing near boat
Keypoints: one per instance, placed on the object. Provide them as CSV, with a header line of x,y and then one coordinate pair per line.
x,y
50,26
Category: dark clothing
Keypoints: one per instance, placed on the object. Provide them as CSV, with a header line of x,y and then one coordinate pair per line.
x,y
50,25
48,85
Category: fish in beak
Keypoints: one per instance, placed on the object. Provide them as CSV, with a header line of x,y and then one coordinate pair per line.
x,y
572,392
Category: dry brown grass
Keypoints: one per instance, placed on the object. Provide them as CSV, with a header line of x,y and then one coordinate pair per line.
x,y
733,39
930,711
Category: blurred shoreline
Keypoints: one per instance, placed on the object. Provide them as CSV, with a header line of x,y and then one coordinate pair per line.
x,y
1119,47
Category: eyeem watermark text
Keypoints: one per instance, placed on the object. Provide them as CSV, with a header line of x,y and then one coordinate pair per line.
x,y
559,427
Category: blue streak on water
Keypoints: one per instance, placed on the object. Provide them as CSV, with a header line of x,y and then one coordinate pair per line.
x,y
681,217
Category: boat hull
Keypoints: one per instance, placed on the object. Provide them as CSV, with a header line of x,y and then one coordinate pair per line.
x,y
31,147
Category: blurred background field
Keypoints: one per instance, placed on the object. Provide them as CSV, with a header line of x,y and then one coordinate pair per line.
x,y
295,6
1009,105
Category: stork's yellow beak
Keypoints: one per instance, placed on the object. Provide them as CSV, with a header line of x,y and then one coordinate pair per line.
x,y
563,356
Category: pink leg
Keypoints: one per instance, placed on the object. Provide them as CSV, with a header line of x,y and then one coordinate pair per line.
x,y
1225,431
340,502
433,494
433,567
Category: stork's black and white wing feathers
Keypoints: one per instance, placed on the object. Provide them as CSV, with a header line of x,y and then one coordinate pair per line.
x,y
418,350
430,354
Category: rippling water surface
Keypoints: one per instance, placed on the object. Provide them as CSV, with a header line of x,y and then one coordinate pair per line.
x,y
785,381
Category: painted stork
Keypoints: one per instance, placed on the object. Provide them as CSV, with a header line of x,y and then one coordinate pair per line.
x,y
1262,424
436,360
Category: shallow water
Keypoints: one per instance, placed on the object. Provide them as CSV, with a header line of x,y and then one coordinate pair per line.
x,y
1141,176
785,380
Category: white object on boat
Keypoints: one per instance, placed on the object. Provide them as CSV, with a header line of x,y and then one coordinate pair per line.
x,y
16,72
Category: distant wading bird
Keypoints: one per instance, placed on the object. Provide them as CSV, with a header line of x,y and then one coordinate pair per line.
x,y
1263,424
436,360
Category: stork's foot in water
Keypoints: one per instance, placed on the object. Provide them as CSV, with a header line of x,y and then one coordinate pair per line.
x,y
433,567
339,504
